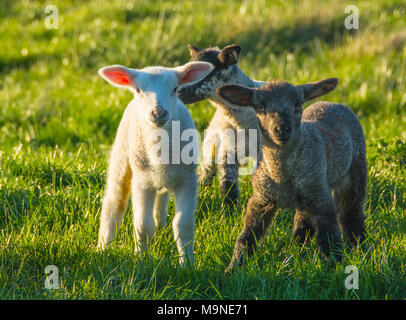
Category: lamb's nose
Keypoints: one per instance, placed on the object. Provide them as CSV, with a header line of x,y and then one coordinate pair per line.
x,y
283,129
159,116
159,113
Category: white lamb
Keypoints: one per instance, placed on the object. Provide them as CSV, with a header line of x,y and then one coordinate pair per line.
x,y
135,164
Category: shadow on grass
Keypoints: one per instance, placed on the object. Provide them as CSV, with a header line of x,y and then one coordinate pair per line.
x,y
296,37
293,38
146,11
22,63
14,204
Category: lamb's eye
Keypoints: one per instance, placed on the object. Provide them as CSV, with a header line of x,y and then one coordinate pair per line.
x,y
261,108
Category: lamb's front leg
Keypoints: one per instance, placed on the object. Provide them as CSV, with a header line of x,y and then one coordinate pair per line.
x,y
143,199
228,172
208,168
228,183
184,220
256,221
161,209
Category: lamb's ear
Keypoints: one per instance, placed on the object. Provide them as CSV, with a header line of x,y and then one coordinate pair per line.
x,y
118,76
193,49
236,94
316,89
193,71
229,55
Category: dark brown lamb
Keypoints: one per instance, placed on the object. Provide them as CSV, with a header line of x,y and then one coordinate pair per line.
x,y
307,157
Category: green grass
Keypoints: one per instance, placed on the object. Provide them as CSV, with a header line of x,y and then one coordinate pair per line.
x,y
58,120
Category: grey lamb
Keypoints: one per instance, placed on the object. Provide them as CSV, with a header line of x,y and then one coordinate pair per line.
x,y
307,156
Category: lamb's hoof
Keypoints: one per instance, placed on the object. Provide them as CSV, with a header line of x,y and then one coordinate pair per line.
x,y
355,241
230,269
101,246
205,180
332,251
303,236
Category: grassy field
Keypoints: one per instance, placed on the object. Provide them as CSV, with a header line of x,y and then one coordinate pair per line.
x,y
58,120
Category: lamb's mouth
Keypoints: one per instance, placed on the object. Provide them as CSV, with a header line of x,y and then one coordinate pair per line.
x,y
274,140
158,124
281,142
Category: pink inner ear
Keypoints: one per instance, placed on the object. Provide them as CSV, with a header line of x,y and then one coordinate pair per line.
x,y
193,73
118,76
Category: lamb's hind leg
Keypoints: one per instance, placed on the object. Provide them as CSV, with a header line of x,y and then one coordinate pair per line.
x,y
116,197
350,199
